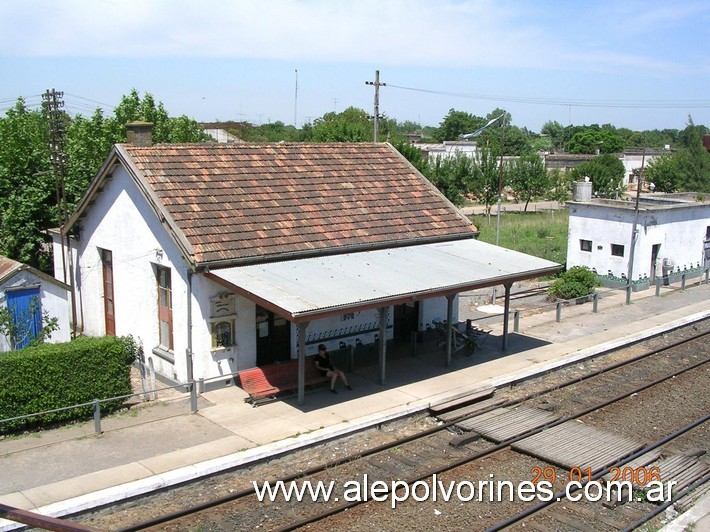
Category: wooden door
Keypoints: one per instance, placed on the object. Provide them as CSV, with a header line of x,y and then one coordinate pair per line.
x,y
109,308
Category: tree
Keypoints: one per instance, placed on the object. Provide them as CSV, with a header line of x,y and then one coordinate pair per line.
x,y
528,178
694,159
27,192
28,201
686,169
88,141
458,123
606,173
591,140
352,125
559,186
452,176
412,154
664,172
555,132
486,178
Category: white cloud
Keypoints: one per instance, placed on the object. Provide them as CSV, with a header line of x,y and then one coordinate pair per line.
x,y
446,33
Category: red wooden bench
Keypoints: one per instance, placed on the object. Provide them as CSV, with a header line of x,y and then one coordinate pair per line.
x,y
264,382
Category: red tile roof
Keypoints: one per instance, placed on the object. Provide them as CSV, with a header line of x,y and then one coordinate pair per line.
x,y
8,267
241,201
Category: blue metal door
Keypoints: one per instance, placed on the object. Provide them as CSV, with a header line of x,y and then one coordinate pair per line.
x,y
25,308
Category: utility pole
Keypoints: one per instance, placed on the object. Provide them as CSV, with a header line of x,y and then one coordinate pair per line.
x,y
500,178
634,229
295,105
55,118
376,116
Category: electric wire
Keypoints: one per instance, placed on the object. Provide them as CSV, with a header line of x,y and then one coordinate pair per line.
x,y
628,104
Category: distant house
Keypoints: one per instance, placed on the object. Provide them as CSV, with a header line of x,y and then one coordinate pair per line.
x,y
222,135
632,159
673,237
27,293
449,148
222,257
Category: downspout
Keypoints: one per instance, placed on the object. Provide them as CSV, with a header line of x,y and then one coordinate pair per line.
x,y
188,350
69,265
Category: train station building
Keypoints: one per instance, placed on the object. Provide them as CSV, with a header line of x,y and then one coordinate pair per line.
x,y
223,257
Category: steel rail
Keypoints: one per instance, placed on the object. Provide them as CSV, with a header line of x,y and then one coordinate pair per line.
x,y
40,521
685,491
497,448
419,435
562,495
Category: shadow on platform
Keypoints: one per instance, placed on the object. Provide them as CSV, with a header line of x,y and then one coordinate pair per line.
x,y
406,366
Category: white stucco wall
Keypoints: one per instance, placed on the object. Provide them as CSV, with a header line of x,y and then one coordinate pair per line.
x,y
208,362
54,300
680,231
633,162
122,222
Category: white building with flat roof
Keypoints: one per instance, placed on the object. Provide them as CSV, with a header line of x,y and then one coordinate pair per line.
x,y
673,236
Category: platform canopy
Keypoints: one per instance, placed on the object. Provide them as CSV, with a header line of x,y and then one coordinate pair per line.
x,y
302,290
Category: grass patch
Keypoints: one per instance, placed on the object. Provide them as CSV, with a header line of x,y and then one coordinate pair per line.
x,y
542,234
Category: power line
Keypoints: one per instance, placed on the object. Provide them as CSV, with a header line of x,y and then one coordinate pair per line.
x,y
630,104
102,104
71,101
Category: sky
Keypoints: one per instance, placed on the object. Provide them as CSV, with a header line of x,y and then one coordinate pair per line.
x,y
635,64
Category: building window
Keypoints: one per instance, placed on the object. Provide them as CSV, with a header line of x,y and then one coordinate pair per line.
x,y
617,250
165,307
585,245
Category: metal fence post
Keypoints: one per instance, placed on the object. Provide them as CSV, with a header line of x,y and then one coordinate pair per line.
x,y
682,282
97,416
516,321
193,396
595,303
558,312
658,286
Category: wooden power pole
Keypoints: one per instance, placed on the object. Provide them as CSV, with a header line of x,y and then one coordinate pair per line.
x,y
376,116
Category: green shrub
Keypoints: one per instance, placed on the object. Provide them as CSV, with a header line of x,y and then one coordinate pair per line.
x,y
50,376
578,281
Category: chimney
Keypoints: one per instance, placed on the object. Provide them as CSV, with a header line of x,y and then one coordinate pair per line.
x,y
139,133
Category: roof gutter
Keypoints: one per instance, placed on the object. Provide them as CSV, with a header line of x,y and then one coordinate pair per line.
x,y
300,317
329,252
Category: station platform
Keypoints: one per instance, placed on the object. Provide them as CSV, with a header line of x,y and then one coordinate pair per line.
x,y
161,443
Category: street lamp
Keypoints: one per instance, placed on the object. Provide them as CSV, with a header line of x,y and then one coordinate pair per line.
x,y
500,172
480,129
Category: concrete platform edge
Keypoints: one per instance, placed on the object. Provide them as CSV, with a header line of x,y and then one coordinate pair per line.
x,y
215,465
696,518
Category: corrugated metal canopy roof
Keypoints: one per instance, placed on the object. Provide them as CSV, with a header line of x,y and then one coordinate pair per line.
x,y
311,288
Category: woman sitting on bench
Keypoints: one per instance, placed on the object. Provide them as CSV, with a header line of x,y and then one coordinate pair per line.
x,y
326,368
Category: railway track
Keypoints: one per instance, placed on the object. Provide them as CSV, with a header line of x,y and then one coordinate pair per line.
x,y
457,443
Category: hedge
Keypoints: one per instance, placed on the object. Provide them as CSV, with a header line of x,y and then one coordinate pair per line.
x,y
50,376
578,281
